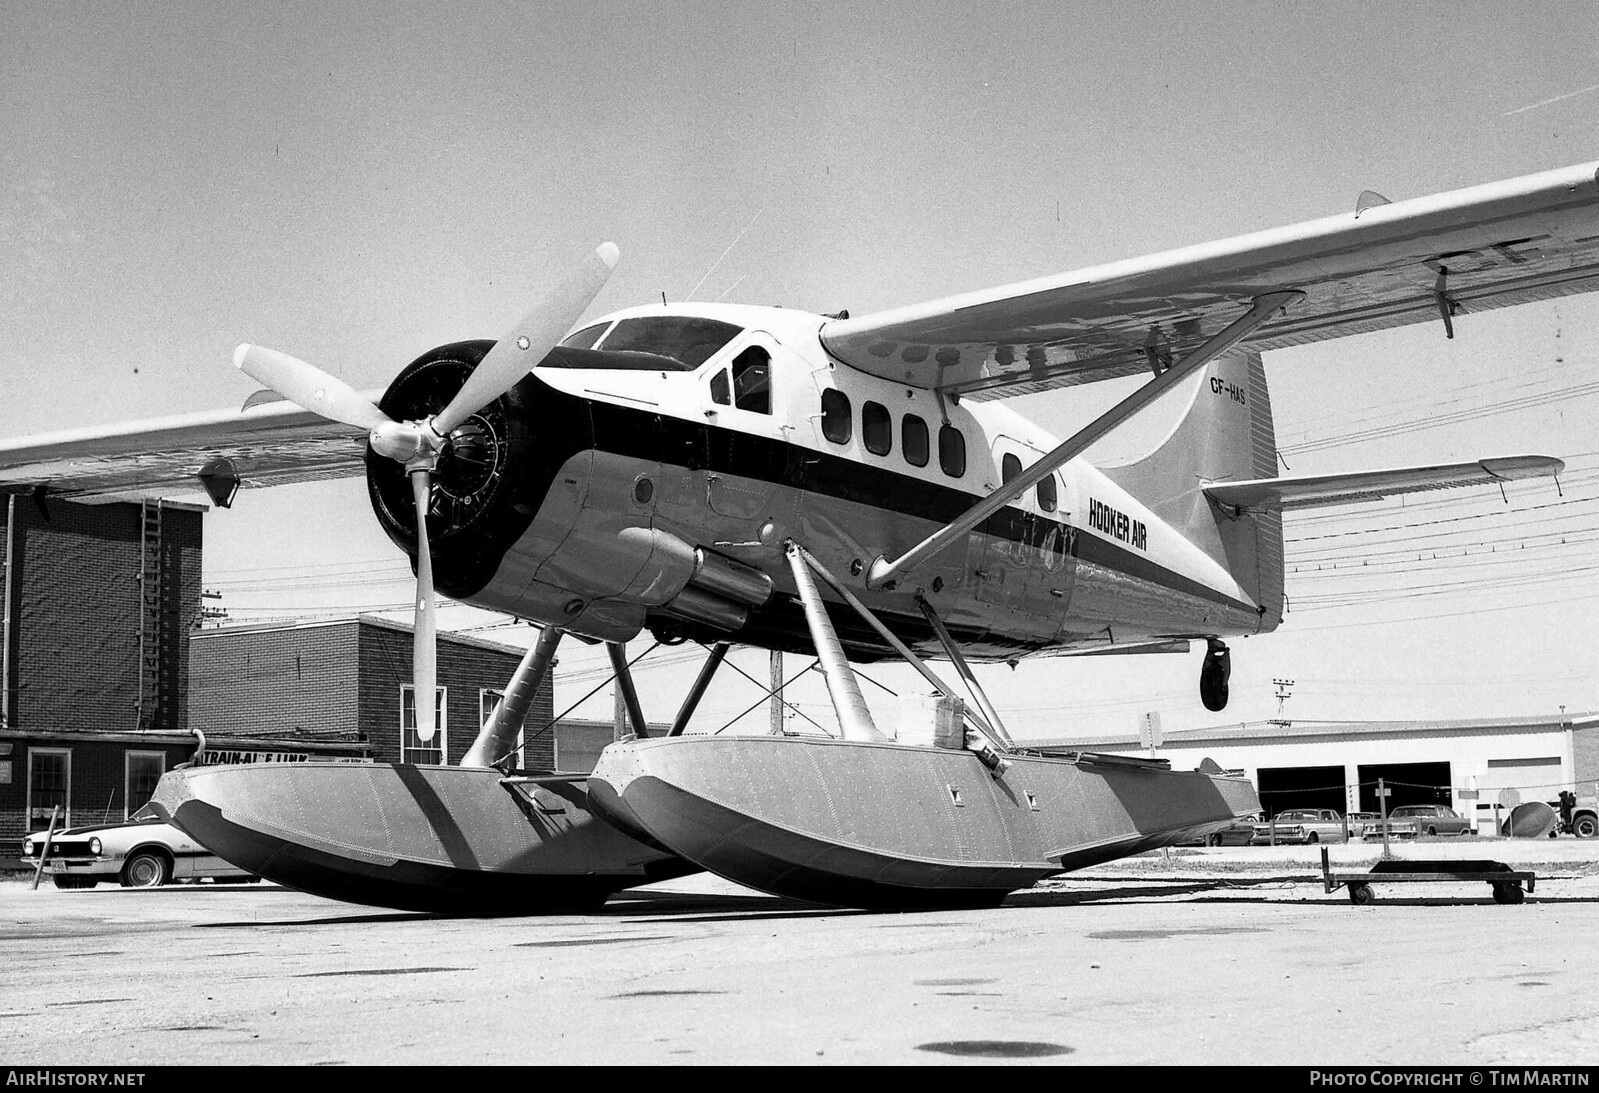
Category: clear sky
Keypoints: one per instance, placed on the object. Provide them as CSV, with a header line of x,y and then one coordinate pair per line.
x,y
354,183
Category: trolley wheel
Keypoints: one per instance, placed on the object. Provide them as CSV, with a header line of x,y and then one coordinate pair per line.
x,y
1361,893
1509,891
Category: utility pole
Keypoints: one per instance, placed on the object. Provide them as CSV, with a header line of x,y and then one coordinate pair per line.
x,y
776,705
1285,691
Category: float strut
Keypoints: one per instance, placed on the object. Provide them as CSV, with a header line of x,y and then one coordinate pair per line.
x,y
624,686
498,738
998,727
854,719
696,692
988,747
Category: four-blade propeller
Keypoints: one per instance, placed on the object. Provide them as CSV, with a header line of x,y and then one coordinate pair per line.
x,y
417,444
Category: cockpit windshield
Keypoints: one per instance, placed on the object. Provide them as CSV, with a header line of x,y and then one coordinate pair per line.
x,y
675,342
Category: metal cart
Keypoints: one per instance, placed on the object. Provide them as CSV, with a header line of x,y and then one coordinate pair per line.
x,y
1505,881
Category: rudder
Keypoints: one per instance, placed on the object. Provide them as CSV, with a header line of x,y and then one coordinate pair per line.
x,y
1225,435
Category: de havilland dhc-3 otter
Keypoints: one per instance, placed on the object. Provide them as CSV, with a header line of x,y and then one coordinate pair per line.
x,y
845,487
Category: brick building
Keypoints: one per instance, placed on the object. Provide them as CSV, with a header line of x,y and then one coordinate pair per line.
x,y
97,603
351,679
107,682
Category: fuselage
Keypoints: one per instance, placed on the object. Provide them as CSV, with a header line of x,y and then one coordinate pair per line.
x,y
647,476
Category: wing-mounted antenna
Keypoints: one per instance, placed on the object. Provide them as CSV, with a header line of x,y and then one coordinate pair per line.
x,y
1369,199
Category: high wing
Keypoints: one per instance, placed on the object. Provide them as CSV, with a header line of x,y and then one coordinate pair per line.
x,y
265,445
1382,266
1322,490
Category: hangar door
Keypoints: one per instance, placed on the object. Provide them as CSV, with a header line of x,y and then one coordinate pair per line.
x,y
1411,783
1301,787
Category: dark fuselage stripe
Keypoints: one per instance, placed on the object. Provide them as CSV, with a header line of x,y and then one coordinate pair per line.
x,y
640,434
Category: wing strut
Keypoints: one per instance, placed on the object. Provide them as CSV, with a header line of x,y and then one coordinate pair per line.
x,y
883,571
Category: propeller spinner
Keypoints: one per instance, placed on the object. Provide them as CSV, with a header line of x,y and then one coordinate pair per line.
x,y
417,444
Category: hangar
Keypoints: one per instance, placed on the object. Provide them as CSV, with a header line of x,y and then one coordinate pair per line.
x,y
1463,763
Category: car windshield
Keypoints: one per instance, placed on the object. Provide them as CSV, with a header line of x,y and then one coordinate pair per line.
x,y
686,340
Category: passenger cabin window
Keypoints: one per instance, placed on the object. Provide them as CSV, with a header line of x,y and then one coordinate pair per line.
x,y
877,428
913,440
1009,467
650,342
836,422
1046,493
951,451
752,380
721,390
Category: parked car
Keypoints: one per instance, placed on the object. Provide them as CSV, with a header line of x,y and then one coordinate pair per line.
x,y
1409,821
143,852
1237,833
1359,821
1300,825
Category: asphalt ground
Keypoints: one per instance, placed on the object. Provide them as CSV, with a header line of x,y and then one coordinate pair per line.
x,y
1208,956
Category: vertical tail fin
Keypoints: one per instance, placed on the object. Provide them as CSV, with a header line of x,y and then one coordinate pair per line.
x,y
1226,434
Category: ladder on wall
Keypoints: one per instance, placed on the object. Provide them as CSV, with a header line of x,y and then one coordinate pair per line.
x,y
149,614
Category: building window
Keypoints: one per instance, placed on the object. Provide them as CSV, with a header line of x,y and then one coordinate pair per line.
x,y
877,428
49,786
141,770
913,440
752,380
487,702
837,424
412,750
951,451
1046,493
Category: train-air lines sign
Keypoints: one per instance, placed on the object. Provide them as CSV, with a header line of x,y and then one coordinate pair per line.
x,y
220,757
1117,524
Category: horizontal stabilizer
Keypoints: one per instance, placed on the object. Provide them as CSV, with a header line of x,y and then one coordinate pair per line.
x,y
1318,491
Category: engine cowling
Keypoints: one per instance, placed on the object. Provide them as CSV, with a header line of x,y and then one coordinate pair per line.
x,y
492,473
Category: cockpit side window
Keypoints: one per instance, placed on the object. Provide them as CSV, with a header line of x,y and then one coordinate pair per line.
x,y
1009,467
752,380
721,389
585,338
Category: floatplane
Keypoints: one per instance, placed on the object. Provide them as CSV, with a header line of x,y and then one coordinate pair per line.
x,y
848,487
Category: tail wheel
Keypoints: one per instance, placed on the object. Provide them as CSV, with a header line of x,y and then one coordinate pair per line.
x,y
146,869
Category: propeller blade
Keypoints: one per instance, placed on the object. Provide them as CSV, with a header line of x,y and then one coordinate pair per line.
x,y
308,386
514,355
424,652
